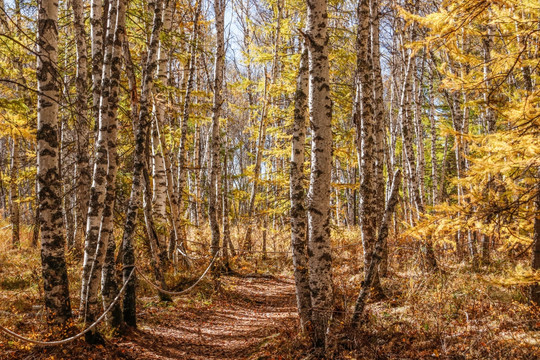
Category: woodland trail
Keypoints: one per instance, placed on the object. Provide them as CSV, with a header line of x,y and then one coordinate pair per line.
x,y
251,312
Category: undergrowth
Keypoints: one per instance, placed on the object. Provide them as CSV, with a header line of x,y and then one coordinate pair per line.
x,y
455,312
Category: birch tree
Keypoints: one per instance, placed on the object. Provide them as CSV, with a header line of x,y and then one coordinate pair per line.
x,y
176,200
366,141
14,208
94,248
55,279
128,251
320,117
219,67
297,194
82,166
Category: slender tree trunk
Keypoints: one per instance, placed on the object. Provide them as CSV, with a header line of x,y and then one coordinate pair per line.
x,y
82,165
219,67
379,129
379,115
366,140
128,254
320,117
433,128
109,285
407,133
36,227
55,279
159,169
14,210
177,202
225,209
94,249
298,209
257,170
97,27
367,284
158,254
490,118
106,241
535,258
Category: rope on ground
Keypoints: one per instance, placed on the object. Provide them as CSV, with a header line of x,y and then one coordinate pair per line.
x,y
75,337
175,293
191,257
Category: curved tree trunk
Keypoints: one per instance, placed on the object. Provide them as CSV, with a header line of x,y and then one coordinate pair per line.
x,y
128,254
94,249
106,227
159,174
367,283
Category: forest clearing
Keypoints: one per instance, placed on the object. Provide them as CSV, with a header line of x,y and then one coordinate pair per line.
x,y
269,179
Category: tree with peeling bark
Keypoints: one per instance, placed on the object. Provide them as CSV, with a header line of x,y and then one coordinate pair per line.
x,y
55,278
82,166
94,248
364,118
142,125
318,198
298,198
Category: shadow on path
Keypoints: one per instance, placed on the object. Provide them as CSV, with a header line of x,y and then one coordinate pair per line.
x,y
249,312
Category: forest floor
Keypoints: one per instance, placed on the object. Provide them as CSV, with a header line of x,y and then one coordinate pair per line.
x,y
243,322
452,313
249,313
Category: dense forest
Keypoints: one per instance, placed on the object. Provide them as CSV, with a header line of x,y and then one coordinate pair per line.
x,y
269,179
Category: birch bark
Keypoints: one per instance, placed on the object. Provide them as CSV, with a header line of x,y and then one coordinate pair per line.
x,y
366,140
320,116
14,208
55,279
177,199
297,193
93,247
219,67
82,166
128,254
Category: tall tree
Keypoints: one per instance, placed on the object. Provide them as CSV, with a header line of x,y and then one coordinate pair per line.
x,y
82,166
219,67
128,251
14,208
320,117
176,200
297,194
366,140
535,258
55,279
94,249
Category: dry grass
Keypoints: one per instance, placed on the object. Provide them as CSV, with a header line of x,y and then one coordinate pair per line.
x,y
453,313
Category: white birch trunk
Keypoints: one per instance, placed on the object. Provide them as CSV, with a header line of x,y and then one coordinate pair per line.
x,y
219,67
320,116
297,193
93,248
55,279
82,166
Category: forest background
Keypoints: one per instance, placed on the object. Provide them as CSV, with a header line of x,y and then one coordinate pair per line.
x,y
381,150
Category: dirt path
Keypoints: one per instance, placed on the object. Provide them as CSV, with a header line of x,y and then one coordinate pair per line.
x,y
237,326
